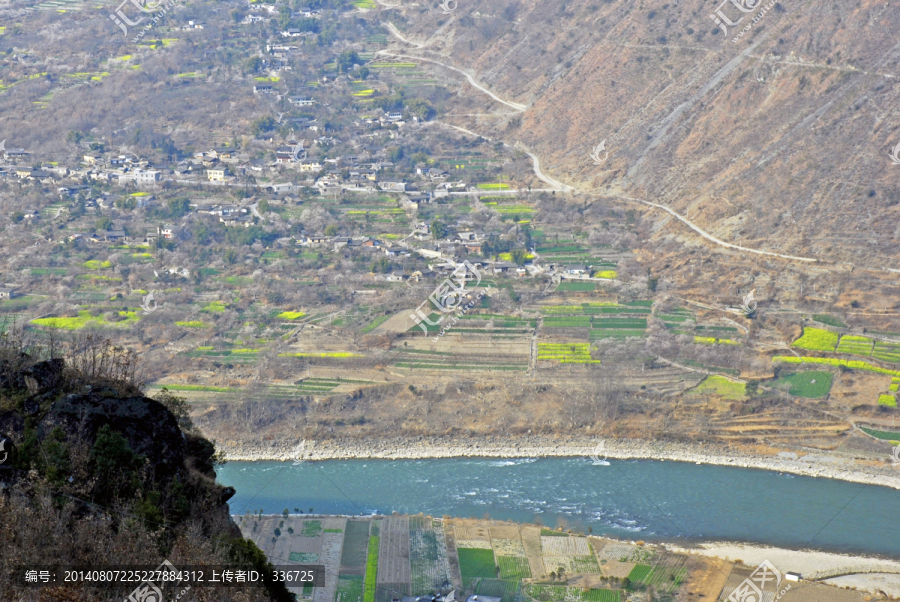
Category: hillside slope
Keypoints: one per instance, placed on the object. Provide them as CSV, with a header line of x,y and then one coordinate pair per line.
x,y
778,139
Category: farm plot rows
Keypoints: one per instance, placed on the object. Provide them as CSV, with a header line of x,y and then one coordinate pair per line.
x,y
566,353
429,564
393,559
663,578
562,593
465,353
605,320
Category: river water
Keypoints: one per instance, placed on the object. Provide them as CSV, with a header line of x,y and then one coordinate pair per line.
x,y
627,499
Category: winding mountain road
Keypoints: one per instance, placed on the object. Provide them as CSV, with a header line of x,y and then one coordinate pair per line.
x,y
514,105
712,238
520,108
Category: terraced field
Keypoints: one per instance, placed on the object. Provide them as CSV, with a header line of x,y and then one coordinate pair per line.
x,y
816,339
566,353
855,345
727,389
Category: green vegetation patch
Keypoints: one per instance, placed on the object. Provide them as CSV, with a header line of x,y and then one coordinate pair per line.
x,y
513,567
375,324
552,533
214,307
812,384
886,435
816,339
476,563
96,264
311,528
831,361
662,578
84,318
507,591
192,324
829,320
349,589
356,544
722,386
887,352
577,287
562,593
566,353
304,557
856,345
887,400
371,569
291,315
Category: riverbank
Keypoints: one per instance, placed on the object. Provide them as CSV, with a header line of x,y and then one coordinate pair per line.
x,y
814,464
811,564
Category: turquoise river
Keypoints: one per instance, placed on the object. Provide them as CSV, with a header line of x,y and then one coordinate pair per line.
x,y
627,499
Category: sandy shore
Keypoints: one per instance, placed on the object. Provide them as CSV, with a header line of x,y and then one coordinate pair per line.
x,y
814,464
807,563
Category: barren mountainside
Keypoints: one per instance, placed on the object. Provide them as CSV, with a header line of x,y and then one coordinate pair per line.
x,y
777,140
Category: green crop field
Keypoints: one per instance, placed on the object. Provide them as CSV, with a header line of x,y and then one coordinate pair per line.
x,y
831,361
476,563
568,322
311,528
666,579
887,400
886,435
513,567
371,569
375,324
720,385
812,384
816,339
577,287
356,543
887,352
619,323
855,345
566,353
562,593
507,591
349,589
829,320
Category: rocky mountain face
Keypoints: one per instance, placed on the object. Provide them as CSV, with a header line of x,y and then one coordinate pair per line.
x,y
95,474
773,133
